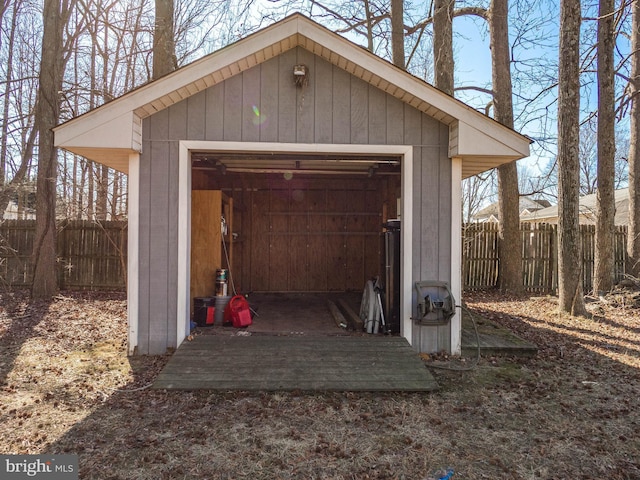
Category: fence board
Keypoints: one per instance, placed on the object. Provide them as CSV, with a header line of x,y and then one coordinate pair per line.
x,y
91,255
539,256
480,242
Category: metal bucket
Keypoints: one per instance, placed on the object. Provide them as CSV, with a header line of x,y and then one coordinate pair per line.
x,y
221,303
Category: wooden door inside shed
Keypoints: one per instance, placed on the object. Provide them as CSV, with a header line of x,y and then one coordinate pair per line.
x,y
207,250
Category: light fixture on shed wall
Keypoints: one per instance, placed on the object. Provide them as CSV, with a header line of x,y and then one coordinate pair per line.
x,y
300,75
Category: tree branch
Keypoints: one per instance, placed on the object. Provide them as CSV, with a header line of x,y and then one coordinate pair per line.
x,y
477,89
473,11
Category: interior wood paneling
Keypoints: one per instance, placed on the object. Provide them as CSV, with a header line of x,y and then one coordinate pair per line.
x,y
305,235
257,243
279,239
317,241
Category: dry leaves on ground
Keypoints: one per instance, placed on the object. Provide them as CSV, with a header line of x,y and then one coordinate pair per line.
x,y
67,386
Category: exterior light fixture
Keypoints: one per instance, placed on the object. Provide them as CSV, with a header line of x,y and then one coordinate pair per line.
x,y
300,75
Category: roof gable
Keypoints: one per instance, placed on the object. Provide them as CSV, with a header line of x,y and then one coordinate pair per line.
x,y
108,134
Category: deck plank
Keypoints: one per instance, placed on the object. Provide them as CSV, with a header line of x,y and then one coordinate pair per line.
x,y
273,363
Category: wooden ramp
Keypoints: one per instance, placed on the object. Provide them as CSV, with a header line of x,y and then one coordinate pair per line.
x,y
494,340
286,363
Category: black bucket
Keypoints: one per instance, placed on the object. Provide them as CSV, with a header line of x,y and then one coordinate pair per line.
x,y
200,306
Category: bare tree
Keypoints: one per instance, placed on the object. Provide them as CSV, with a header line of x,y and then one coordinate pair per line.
x,y
571,297
509,238
443,45
603,275
397,33
4,6
18,132
5,193
55,16
164,47
633,238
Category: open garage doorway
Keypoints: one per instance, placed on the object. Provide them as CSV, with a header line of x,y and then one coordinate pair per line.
x,y
303,228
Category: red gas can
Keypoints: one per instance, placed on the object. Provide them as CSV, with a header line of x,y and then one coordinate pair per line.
x,y
237,312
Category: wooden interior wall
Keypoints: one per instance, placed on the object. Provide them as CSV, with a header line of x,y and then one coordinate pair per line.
x,y
206,257
308,234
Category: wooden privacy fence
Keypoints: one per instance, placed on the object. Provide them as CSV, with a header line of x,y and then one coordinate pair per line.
x,y
539,255
90,255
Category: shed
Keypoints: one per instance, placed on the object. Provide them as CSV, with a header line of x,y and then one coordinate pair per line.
x,y
310,143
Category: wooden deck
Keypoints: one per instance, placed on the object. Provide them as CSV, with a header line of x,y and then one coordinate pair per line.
x,y
286,363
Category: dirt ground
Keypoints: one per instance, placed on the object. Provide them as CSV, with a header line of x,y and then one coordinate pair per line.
x,y
571,412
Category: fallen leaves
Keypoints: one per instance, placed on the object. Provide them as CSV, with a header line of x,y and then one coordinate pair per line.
x,y
573,411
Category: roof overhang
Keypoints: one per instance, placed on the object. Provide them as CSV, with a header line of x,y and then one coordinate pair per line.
x,y
110,133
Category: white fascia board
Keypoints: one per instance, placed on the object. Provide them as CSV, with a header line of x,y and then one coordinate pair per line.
x,y
98,130
319,148
474,142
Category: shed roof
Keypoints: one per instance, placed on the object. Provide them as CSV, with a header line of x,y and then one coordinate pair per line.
x,y
109,133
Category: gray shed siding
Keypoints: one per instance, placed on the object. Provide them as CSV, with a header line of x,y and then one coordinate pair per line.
x,y
263,105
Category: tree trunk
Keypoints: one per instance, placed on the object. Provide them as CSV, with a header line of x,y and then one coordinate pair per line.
x,y
633,235
509,238
397,33
115,197
45,283
443,45
571,297
91,181
603,276
4,5
102,192
7,190
164,47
